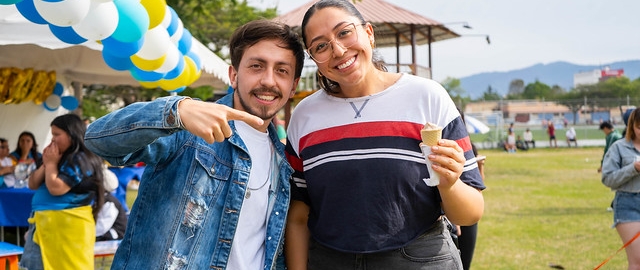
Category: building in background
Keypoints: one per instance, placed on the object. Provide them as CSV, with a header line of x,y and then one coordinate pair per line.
x,y
595,76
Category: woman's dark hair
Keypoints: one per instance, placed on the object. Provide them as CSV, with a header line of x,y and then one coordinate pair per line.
x,y
34,148
324,82
258,30
78,155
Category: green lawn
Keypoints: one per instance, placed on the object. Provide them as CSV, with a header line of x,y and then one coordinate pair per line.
x,y
546,206
542,207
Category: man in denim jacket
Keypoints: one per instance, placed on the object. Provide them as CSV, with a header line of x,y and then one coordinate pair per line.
x,y
215,191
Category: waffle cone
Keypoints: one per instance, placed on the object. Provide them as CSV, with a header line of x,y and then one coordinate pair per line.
x,y
431,135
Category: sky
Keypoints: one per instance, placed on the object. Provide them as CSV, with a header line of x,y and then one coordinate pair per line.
x,y
522,33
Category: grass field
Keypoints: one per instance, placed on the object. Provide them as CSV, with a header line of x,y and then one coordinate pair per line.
x,y
544,207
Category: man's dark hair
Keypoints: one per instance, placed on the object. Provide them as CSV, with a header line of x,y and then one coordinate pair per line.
x,y
259,30
606,124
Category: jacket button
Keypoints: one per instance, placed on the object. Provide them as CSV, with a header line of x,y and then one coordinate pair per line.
x,y
269,238
277,213
213,170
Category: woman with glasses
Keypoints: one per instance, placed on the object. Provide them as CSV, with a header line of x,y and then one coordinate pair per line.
x,y
359,193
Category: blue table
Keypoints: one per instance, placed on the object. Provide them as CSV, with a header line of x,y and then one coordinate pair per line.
x,y
125,175
15,206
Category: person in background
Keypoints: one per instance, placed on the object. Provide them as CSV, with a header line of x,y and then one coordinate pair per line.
x,y
282,132
27,149
7,165
112,219
26,157
359,190
612,135
528,138
215,191
520,144
570,134
510,144
69,195
551,131
621,173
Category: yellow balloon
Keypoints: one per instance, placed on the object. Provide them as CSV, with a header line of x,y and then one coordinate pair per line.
x,y
156,10
194,73
147,64
150,85
182,79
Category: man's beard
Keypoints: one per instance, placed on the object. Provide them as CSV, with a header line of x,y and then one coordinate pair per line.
x,y
260,111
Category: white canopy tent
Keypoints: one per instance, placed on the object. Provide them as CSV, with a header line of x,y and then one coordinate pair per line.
x,y
24,44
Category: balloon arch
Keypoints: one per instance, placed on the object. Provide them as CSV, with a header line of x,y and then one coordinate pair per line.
x,y
146,38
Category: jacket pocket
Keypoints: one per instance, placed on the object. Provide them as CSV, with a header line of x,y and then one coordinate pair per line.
x,y
209,174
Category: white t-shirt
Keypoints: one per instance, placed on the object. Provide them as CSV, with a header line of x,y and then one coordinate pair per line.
x,y
9,179
571,134
248,247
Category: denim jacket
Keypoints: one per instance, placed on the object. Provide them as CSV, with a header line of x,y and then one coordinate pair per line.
x,y
189,200
618,172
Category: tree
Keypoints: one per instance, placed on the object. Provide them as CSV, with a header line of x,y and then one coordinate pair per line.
x,y
456,92
213,21
537,90
607,94
490,94
452,85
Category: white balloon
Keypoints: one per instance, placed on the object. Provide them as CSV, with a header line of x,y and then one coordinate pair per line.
x,y
100,22
175,38
172,59
63,13
166,21
156,43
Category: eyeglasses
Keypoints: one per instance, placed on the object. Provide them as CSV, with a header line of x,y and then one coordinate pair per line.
x,y
346,37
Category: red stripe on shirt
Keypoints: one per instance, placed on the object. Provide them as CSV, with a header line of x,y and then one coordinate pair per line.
x,y
362,130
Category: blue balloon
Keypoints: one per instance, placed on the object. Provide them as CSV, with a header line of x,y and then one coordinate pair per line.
x,y
66,34
117,63
184,44
145,76
121,49
69,102
9,2
133,21
28,10
173,25
58,89
196,59
175,72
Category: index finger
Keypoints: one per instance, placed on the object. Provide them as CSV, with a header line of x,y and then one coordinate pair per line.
x,y
246,117
450,143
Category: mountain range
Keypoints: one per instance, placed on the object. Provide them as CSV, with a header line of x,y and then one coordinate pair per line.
x,y
557,73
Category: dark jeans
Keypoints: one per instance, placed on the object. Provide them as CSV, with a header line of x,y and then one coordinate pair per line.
x,y
432,250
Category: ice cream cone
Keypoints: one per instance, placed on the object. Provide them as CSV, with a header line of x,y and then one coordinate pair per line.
x,y
431,134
